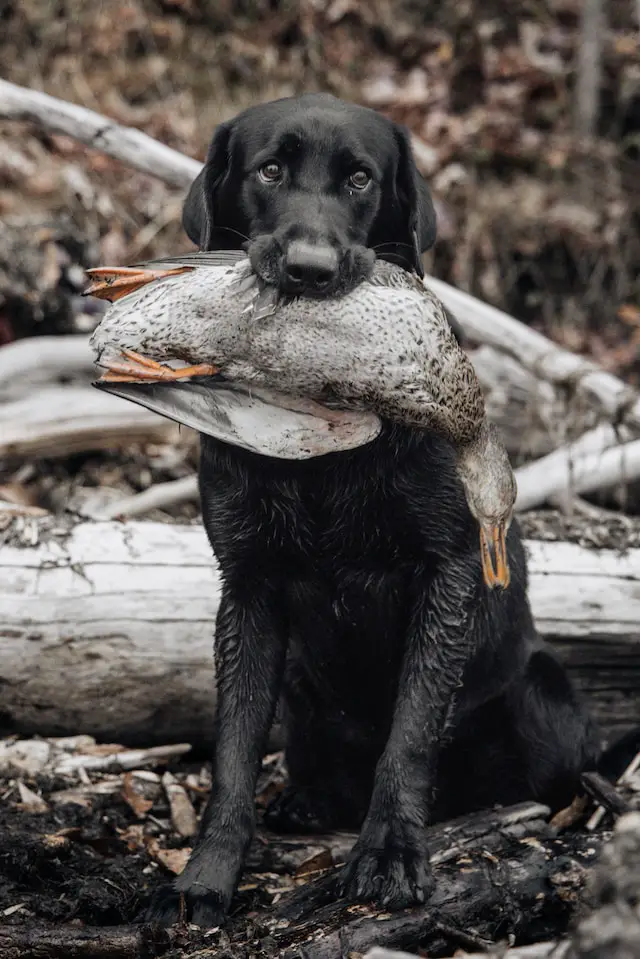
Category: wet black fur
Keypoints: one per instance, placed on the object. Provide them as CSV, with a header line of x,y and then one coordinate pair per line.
x,y
352,582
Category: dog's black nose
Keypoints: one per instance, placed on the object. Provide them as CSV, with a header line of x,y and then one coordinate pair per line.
x,y
309,267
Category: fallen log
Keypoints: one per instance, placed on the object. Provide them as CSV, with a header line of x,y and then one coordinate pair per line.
x,y
612,929
65,941
108,628
42,359
59,421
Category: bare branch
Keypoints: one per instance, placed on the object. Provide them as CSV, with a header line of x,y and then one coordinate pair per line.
x,y
131,146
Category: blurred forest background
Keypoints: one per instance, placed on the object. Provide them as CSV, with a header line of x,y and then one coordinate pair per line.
x,y
525,116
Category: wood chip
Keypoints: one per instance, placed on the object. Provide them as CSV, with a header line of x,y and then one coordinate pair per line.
x,y
183,815
26,757
31,801
135,794
19,906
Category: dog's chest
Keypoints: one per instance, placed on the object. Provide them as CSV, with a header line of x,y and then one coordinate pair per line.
x,y
308,521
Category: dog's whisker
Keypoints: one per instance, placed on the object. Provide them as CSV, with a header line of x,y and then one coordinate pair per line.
x,y
230,229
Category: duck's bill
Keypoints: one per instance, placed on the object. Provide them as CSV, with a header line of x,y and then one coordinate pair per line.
x,y
493,552
254,419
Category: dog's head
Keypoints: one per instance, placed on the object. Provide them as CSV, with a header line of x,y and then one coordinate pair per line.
x,y
313,188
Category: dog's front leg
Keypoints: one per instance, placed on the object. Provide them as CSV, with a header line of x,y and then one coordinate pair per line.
x,y
250,653
389,862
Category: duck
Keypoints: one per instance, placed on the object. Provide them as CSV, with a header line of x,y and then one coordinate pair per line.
x,y
384,350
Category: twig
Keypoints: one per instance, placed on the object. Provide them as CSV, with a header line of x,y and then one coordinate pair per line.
x,y
599,813
183,815
19,509
603,792
159,496
125,759
132,147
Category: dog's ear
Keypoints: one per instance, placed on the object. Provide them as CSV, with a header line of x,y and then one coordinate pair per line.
x,y
199,214
414,197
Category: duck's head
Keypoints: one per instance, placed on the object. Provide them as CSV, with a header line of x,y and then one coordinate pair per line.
x,y
490,487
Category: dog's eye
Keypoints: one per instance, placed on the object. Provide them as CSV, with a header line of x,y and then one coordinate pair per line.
x,y
270,172
360,179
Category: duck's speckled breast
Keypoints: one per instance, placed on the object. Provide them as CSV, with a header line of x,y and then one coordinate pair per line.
x,y
387,346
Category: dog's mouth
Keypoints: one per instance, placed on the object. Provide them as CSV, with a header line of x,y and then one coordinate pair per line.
x,y
309,269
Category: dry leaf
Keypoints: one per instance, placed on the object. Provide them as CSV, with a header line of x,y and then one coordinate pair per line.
x,y
319,863
134,837
172,859
133,794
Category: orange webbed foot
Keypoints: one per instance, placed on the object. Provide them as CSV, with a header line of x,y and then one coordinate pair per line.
x,y
139,368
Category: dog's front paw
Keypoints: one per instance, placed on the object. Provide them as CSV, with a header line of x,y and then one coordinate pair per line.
x,y
196,904
389,865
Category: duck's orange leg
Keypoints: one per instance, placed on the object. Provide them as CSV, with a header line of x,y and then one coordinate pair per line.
x,y
493,552
113,282
139,368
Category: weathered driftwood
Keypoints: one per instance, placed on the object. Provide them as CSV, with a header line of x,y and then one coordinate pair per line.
x,y
57,421
485,324
42,359
132,147
576,469
559,471
108,628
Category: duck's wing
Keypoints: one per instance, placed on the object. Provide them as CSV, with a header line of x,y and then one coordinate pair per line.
x,y
254,419
195,259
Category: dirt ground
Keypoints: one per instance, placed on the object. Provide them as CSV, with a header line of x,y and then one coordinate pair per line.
x,y
94,859
81,852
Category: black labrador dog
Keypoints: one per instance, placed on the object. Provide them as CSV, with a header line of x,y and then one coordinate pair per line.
x,y
352,582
